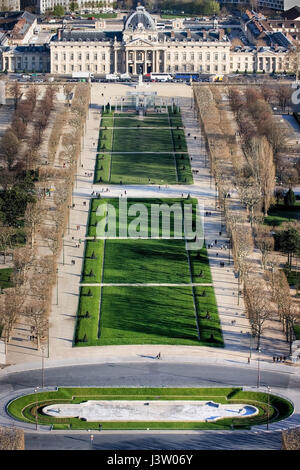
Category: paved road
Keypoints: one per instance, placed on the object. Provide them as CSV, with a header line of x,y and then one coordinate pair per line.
x,y
156,374
204,440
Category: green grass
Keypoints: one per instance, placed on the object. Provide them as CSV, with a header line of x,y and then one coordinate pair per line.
x,y
87,316
26,407
297,331
159,120
146,261
93,259
137,168
210,328
135,136
102,168
142,140
148,203
100,15
279,213
143,315
5,278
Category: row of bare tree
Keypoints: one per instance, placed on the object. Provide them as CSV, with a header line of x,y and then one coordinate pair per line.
x,y
34,273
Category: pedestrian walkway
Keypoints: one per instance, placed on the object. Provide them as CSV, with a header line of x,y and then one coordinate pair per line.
x,y
235,327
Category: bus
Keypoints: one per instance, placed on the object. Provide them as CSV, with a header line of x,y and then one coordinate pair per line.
x,y
160,77
187,76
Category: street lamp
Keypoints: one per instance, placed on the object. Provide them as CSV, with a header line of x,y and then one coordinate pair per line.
x,y
56,286
269,391
43,350
258,368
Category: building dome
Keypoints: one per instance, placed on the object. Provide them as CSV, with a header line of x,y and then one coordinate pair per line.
x,y
140,19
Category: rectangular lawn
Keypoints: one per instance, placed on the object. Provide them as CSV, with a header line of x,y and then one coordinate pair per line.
x,y
142,140
143,315
138,168
146,261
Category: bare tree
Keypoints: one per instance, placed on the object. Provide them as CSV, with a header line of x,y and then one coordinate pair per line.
x,y
11,439
11,303
265,243
257,304
6,237
9,146
16,91
37,315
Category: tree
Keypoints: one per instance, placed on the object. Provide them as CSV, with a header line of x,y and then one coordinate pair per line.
x,y
290,198
37,315
12,439
265,243
287,310
288,241
259,157
58,10
32,218
6,239
11,303
250,196
290,176
283,95
74,6
257,304
16,91
9,146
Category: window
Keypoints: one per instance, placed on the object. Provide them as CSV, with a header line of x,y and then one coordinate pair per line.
x,y
103,56
208,56
79,56
72,56
95,57
208,68
216,56
192,56
88,57
176,56
200,55
184,56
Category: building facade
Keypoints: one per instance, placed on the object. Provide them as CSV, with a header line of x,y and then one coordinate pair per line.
x,y
9,5
44,5
273,4
140,48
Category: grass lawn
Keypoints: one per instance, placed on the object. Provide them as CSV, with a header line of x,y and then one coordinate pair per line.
x,y
143,261
126,132
153,120
102,168
137,168
5,274
93,260
143,315
279,213
206,302
87,315
27,407
142,140
148,203
297,331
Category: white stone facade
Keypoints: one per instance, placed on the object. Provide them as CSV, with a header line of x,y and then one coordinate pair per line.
x,y
141,49
44,5
9,5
